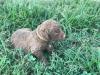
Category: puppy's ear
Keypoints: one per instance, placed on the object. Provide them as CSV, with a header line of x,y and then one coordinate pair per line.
x,y
43,33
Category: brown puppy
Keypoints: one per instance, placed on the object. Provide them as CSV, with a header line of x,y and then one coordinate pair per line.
x,y
38,40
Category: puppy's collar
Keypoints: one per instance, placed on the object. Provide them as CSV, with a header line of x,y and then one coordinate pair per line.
x,y
37,32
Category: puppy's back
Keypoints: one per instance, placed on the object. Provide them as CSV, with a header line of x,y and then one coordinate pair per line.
x,y
20,38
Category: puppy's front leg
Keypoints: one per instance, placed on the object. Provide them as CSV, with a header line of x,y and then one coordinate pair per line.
x,y
49,48
39,55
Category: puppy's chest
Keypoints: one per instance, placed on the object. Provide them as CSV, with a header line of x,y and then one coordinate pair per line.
x,y
43,46
39,46
36,43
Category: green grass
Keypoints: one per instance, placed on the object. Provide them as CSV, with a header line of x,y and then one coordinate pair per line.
x,y
78,54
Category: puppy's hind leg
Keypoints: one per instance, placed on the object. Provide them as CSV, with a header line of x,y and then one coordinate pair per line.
x,y
39,55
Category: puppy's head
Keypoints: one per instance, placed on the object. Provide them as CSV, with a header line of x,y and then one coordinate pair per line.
x,y
50,30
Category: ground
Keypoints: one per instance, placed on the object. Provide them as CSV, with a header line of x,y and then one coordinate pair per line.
x,y
78,54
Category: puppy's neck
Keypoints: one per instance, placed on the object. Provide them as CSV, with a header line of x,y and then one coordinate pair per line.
x,y
39,35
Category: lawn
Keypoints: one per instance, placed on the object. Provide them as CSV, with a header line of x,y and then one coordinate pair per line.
x,y
78,54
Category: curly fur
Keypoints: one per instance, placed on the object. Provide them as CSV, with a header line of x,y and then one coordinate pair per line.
x,y
39,39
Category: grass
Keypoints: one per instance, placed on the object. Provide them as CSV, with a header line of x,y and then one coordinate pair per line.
x,y
78,54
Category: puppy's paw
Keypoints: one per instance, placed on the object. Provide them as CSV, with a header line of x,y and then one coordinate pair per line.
x,y
50,48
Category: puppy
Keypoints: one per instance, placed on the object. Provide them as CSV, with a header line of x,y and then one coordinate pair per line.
x,y
38,40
